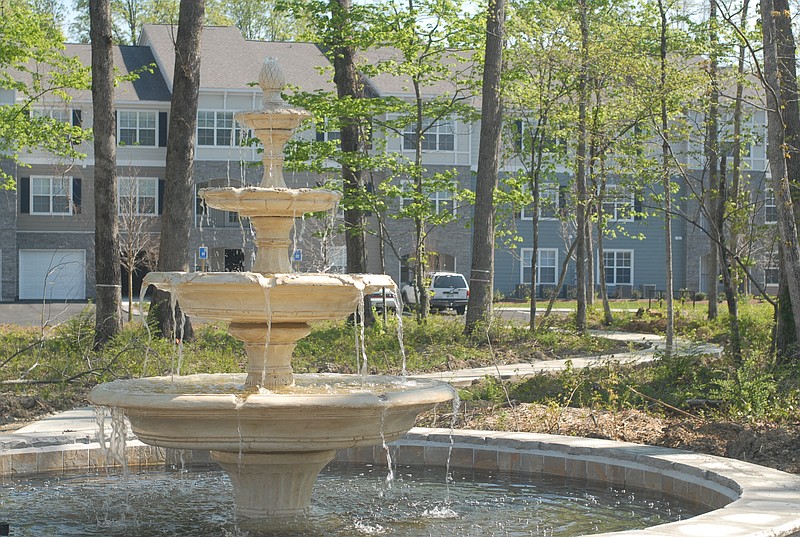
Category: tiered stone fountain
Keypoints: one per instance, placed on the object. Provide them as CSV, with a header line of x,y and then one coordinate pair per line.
x,y
271,430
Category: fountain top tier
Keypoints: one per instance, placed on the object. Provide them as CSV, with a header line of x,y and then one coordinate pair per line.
x,y
270,307
271,207
274,123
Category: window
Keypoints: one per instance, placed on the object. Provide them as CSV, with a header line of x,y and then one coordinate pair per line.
x,y
61,115
51,195
443,202
326,133
618,203
218,128
772,276
548,203
439,136
136,128
137,195
770,209
545,266
618,267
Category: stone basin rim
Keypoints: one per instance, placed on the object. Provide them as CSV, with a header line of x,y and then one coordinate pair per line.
x,y
268,192
367,282
411,392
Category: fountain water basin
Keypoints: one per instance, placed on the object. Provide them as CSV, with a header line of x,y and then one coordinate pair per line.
x,y
272,431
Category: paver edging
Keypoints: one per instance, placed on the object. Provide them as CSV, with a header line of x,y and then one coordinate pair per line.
x,y
747,500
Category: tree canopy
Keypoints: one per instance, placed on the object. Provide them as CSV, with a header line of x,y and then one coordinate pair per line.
x,y
33,71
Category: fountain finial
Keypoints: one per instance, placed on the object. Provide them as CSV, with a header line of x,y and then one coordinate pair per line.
x,y
271,80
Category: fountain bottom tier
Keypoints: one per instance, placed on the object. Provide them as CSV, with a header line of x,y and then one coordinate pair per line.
x,y
273,443
270,484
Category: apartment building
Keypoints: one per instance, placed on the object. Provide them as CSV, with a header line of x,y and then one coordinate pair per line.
x,y
47,224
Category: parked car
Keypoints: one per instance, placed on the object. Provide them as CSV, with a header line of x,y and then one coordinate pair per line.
x,y
383,297
446,289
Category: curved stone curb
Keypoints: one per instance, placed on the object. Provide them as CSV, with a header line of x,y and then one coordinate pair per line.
x,y
748,500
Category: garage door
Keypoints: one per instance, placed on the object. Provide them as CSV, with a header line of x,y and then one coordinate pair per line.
x,y
52,274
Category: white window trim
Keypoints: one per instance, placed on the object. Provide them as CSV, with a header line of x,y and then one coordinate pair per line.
x,y
69,210
432,132
528,253
337,259
137,180
437,198
235,127
623,201
616,251
771,267
769,201
322,130
52,111
443,198
138,128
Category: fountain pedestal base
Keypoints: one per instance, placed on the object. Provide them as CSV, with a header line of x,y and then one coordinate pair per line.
x,y
269,484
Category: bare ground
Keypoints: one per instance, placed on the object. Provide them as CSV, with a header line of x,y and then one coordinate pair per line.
x,y
16,411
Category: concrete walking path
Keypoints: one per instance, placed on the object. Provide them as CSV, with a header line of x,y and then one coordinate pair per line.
x,y
465,377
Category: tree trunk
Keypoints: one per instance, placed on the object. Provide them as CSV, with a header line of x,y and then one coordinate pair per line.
x,y
108,315
533,183
580,175
712,163
735,191
479,310
787,344
608,317
727,280
423,304
776,134
179,195
130,293
348,86
667,184
562,275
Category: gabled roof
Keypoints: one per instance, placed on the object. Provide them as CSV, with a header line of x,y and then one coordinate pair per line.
x,y
461,68
147,87
228,61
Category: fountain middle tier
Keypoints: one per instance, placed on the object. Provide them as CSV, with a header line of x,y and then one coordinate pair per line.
x,y
260,201
269,313
252,297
